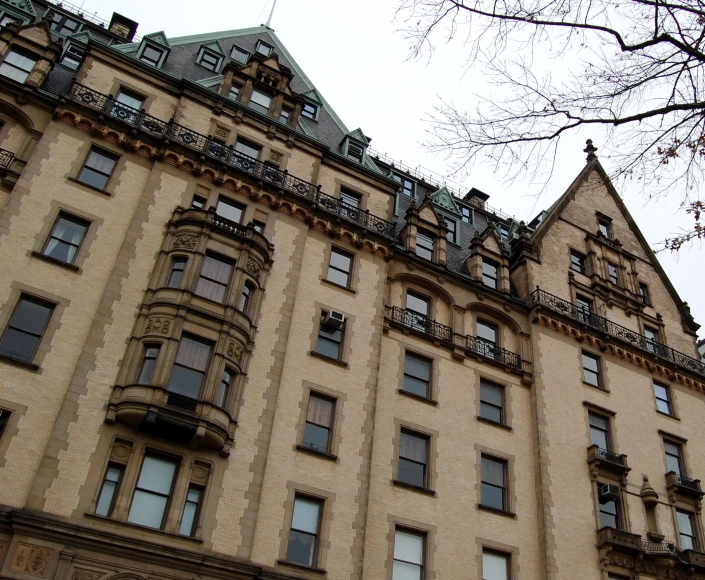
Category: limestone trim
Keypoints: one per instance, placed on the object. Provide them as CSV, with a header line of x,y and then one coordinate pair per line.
x,y
510,478
429,533
11,428
432,451
339,397
348,329
512,552
507,398
434,387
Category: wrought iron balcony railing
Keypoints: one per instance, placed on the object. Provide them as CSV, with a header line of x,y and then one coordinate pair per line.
x,y
265,171
490,350
539,297
6,158
611,456
673,478
421,323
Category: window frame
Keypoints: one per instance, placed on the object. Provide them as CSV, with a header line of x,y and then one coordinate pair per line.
x,y
348,274
682,472
692,520
409,432
599,373
668,400
329,428
355,151
317,536
144,360
605,430
310,111
613,274
225,387
217,57
403,181
37,300
104,153
76,221
644,297
174,272
175,461
507,556
246,54
618,510
604,226
578,262
19,51
147,60
340,343
197,510
61,23
490,263
116,491
204,373
503,402
259,107
469,213
429,382
224,285
452,230
505,482
423,235
261,43
399,529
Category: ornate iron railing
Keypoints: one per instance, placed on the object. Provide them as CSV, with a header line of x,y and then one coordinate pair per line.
x,y
684,481
6,158
421,323
539,297
611,456
490,350
227,155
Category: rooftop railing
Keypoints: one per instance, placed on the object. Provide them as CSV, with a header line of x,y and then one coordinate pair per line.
x,y
265,171
81,13
540,297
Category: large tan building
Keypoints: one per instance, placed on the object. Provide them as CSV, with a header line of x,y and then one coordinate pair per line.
x,y
235,343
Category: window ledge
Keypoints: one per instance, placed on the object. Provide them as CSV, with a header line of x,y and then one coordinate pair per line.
x,y
493,423
56,261
603,389
494,510
301,566
317,453
334,361
338,286
669,415
19,362
93,187
141,527
413,487
417,397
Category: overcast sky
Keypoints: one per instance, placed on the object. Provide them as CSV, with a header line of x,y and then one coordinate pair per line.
x,y
358,60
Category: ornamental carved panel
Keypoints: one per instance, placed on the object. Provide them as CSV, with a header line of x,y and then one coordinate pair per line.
x,y
253,268
158,325
235,351
87,575
32,560
185,242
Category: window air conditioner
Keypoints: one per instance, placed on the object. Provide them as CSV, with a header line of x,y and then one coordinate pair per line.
x,y
609,491
334,318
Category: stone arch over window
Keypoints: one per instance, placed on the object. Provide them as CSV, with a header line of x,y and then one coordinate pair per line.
x,y
509,330
441,302
18,134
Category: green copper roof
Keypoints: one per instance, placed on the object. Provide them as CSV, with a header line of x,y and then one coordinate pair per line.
x,y
358,135
214,46
211,82
444,200
158,37
23,5
82,37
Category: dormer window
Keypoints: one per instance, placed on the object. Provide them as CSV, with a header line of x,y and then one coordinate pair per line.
x,y
604,228
355,152
503,231
62,24
263,48
209,60
407,186
17,66
467,215
285,115
260,101
72,58
424,245
309,111
451,233
234,92
7,19
151,55
239,55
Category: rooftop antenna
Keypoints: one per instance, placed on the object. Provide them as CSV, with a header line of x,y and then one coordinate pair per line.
x,y
269,20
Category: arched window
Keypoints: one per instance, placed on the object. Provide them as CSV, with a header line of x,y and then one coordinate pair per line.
x,y
243,304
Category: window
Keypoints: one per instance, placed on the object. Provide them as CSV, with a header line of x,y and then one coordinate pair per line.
x,y
72,57
109,489
263,48
339,267
686,530
239,55
209,60
4,418
330,338
495,566
25,329
408,556
97,169
416,314
127,106
153,492
651,335
130,99
407,186
663,398
503,231
591,370
62,24
609,511
177,272
7,19
577,262
674,457
319,422
285,115
65,238
604,227
149,362
491,401
644,294
417,375
258,226
190,367
226,382
494,487
17,66
246,148
261,102
310,111
192,507
613,273
234,92
490,276
452,226
355,152
229,210
214,279
151,55
413,458
243,303
303,536
198,202
467,215
584,309
487,339
599,431
424,245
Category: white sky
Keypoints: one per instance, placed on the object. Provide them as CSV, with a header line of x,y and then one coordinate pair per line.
x,y
352,52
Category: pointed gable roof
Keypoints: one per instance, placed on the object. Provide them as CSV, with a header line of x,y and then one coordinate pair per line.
x,y
313,95
158,38
358,135
37,32
81,37
214,46
22,5
444,200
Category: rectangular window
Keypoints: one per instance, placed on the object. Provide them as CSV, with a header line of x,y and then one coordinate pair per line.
x,y
495,566
17,66
260,101
109,489
584,309
149,362
153,492
613,273
25,329
413,458
604,228
417,375
503,231
487,339
355,152
239,55
192,507
408,555
214,279
450,234
651,335
417,304
243,303
310,111
663,398
98,168
258,226
209,60
263,48
319,422
285,115
577,262
127,105
226,382
72,57
151,55
65,238
494,486
177,272
62,24
229,210
599,431
247,148
490,275
339,267
190,367
609,511
330,338
674,457
591,369
407,186
303,535
467,215
198,202
686,530
4,418
7,19
491,401
644,294
424,246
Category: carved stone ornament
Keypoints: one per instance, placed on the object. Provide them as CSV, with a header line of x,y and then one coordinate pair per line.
x,y
235,351
158,325
253,267
222,132
275,157
86,575
185,242
32,560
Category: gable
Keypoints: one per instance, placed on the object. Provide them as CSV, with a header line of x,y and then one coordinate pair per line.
x,y
427,214
37,33
444,200
214,46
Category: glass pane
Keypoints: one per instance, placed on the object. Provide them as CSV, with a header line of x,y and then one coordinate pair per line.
x,y
328,348
413,447
146,372
404,571
492,496
491,412
306,514
494,567
60,250
590,363
417,367
13,73
350,198
129,100
340,261
493,471
152,54
19,344
412,473
261,99
193,353
229,211
320,411
185,381
608,520
31,316
147,509
663,406
156,475
416,386
301,548
316,437
591,377
489,269
672,449
69,231
188,518
247,149
93,178
408,547
417,303
599,437
673,463
491,393
217,270
337,277
599,421
20,61
487,332
100,162
685,523
239,55
105,499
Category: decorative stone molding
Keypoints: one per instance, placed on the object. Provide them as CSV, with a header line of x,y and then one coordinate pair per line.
x,y
185,242
158,325
31,559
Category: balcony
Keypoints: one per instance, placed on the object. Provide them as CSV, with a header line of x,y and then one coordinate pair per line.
x,y
490,350
683,485
606,326
619,540
421,323
226,155
607,461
